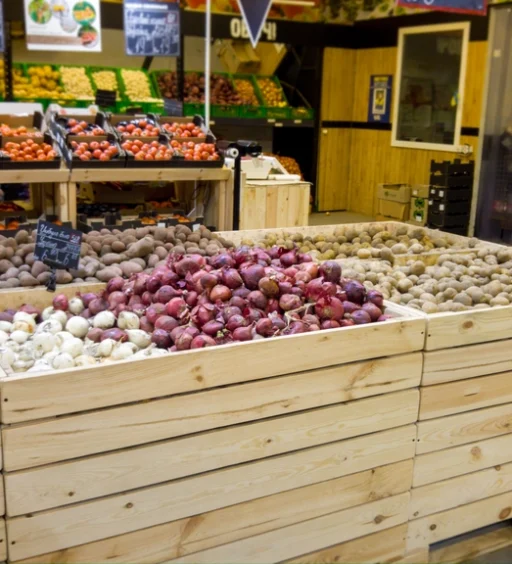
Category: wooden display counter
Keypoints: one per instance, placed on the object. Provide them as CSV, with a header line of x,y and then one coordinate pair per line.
x,y
266,204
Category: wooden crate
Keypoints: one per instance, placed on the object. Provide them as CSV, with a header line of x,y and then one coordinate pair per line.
x,y
220,454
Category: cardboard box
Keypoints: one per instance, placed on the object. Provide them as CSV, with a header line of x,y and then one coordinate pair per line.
x,y
393,210
238,56
420,191
419,209
400,193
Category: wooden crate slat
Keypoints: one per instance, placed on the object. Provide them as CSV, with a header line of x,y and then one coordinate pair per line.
x,y
3,540
315,534
68,391
462,428
384,546
207,530
453,522
464,395
42,488
466,362
64,438
87,522
447,330
460,490
456,461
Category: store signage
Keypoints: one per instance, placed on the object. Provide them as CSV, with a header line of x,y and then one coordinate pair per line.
x,y
152,29
63,25
238,30
459,6
2,39
173,107
105,98
379,106
57,246
254,14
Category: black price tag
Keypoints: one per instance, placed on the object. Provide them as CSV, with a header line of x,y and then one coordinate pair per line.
x,y
173,107
56,246
135,111
105,98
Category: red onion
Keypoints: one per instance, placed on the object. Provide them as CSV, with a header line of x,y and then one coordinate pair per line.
x,y
375,297
213,327
134,300
95,334
166,323
97,305
314,289
304,258
175,333
237,301
153,283
118,309
329,308
203,313
115,284
296,291
222,259
252,274
116,299
313,327
231,278
272,305
169,277
161,339
265,327
220,292
257,299
145,325
60,301
347,323
274,252
242,334
176,307
186,266
128,287
86,314
229,311
310,267
241,292
139,286
252,314
277,320
261,255
330,270
191,299
242,254
147,298
291,272
165,294
360,317
191,330
289,302
269,287
236,321
372,310
285,287
341,294
330,324
154,311
138,309
183,341
6,316
202,341
350,307
296,327
310,319
302,277
385,317
356,292
26,308
116,334
287,259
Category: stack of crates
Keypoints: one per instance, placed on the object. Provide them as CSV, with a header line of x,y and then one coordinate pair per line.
x,y
451,189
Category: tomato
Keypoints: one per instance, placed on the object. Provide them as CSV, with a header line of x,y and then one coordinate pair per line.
x,y
150,158
74,144
94,145
97,154
112,150
83,124
136,149
138,142
72,122
127,146
41,157
104,145
143,123
155,144
130,128
139,156
104,157
88,154
84,158
121,128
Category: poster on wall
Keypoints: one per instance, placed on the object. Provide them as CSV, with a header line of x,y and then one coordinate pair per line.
x,y
2,40
458,6
63,25
152,29
379,107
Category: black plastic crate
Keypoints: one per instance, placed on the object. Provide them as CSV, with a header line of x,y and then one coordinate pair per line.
x,y
450,194
449,208
7,164
437,219
445,181
455,168
75,162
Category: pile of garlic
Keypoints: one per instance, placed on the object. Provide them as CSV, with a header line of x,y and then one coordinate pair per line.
x,y
60,341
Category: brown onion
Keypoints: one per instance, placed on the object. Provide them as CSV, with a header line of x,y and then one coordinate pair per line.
x,y
220,292
269,287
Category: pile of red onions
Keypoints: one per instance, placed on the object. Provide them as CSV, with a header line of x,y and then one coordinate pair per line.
x,y
239,295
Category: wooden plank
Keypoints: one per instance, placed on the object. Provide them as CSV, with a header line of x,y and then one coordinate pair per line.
x,y
471,545
40,297
453,522
338,74
460,490
46,176
447,330
3,540
464,395
315,534
466,362
27,398
50,486
333,169
243,520
116,515
463,459
65,438
384,546
473,90
146,174
463,428
271,205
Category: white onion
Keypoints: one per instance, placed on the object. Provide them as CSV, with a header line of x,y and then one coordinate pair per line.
x,y
104,320
44,342
149,352
63,360
4,337
40,366
106,347
22,365
122,351
78,326
47,312
60,316
27,352
28,318
5,326
62,336
128,320
74,347
138,337
23,326
50,326
76,306
49,356
85,360
19,337
7,357
13,345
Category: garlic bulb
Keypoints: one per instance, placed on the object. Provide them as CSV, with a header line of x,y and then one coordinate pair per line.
x,y
62,361
77,326
47,312
106,347
62,336
40,366
7,357
60,316
5,326
123,351
22,317
22,326
128,320
22,365
85,360
104,320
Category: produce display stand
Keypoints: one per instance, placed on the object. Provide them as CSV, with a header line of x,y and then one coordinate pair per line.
x,y
256,452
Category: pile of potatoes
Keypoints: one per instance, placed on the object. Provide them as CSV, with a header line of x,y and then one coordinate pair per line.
x,y
374,242
104,254
478,280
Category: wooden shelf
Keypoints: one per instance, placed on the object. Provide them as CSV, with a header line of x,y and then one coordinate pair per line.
x,y
41,176
148,174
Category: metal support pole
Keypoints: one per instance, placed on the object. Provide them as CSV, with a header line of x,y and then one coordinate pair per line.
x,y
9,94
208,42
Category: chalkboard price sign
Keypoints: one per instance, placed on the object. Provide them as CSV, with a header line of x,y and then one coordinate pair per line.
x,y
56,246
105,98
173,107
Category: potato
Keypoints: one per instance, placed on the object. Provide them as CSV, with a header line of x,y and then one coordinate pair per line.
x,y
106,274
129,268
11,273
43,277
5,265
111,258
118,246
26,279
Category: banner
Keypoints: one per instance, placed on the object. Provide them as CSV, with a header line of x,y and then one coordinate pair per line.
x,y
152,28
460,6
63,25
255,14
